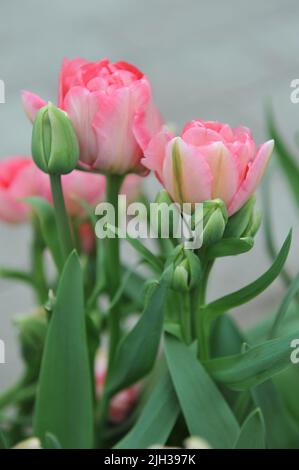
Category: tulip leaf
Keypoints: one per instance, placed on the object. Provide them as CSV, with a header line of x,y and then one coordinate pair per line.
x,y
281,313
46,217
255,365
157,419
286,159
252,435
137,351
230,247
281,432
249,292
3,441
206,412
64,399
51,442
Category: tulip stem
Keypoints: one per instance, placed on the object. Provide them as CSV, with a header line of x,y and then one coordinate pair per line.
x,y
113,267
112,264
203,334
61,216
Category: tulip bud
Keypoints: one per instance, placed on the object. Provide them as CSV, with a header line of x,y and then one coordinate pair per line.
x,y
253,225
214,221
32,334
187,271
55,148
238,223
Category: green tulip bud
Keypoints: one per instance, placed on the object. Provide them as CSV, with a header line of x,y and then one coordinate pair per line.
x,y
32,334
253,225
55,147
187,271
238,223
214,219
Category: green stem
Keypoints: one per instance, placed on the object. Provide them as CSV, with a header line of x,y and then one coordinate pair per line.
x,y
10,395
113,275
61,216
113,268
37,264
185,313
202,328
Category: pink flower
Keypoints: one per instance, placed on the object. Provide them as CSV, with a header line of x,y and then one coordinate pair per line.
x,y
210,160
82,186
87,237
19,178
132,187
112,110
123,402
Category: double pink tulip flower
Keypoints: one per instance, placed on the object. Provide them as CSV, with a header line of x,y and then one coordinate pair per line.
x,y
112,110
210,160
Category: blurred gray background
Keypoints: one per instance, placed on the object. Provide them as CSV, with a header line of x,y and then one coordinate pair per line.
x,y
213,60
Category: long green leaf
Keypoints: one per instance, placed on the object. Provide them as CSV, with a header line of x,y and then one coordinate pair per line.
x,y
252,435
247,293
64,399
280,316
156,420
137,351
46,217
206,412
3,442
286,159
255,366
280,430
230,247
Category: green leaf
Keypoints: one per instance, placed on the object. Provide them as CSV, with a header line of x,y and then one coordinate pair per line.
x,y
137,351
154,261
64,399
280,430
249,292
287,384
46,217
252,435
157,419
226,338
230,247
254,366
3,441
206,412
286,159
51,442
284,306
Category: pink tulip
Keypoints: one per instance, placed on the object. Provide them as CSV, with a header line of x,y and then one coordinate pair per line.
x,y
210,160
123,402
19,178
82,186
132,187
112,110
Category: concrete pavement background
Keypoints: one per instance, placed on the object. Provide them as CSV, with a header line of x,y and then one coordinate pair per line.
x,y
215,60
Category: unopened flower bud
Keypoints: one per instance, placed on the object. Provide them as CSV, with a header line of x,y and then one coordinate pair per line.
x,y
238,223
55,148
214,221
187,271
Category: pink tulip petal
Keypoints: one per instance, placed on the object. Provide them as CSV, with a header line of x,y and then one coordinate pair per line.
x,y
155,152
82,106
113,125
224,170
195,183
32,103
253,177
